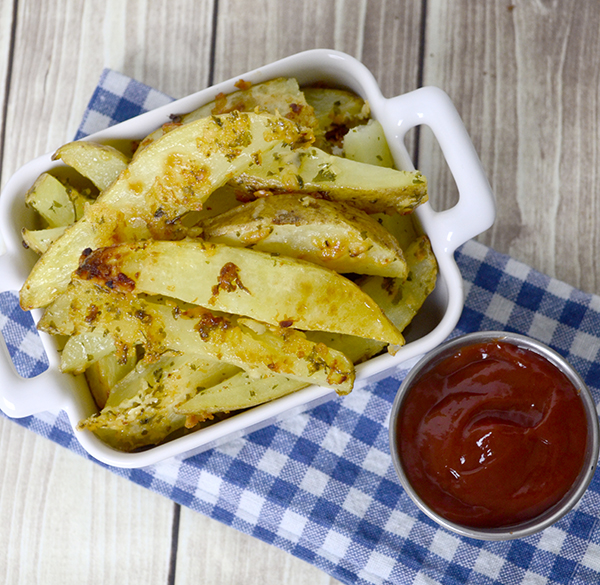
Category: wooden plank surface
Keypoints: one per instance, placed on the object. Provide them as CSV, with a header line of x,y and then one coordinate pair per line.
x,y
523,75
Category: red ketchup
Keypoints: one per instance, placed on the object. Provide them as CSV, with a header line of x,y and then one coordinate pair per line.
x,y
492,436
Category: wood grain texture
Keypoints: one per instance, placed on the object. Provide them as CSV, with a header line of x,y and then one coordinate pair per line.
x,y
66,520
211,552
525,79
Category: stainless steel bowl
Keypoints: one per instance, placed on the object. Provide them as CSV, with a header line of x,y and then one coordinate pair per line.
x,y
551,515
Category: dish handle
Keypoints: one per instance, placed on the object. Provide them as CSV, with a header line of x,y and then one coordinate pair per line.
x,y
475,210
26,367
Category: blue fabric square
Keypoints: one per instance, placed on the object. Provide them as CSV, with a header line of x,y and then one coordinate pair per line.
x,y
304,451
222,515
388,493
282,492
264,436
181,496
573,314
456,574
240,473
369,534
488,277
346,472
61,437
106,103
563,570
366,430
530,296
141,477
324,512
264,534
582,525
520,553
126,110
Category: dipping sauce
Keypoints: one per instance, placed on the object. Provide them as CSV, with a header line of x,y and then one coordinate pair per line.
x,y
492,436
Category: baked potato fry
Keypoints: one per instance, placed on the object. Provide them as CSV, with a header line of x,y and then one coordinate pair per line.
x,y
104,374
172,176
367,144
236,393
371,188
281,291
50,198
146,413
278,96
328,233
39,240
170,327
401,300
336,111
100,163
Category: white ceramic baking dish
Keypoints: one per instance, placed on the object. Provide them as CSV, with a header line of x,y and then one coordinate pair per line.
x,y
448,229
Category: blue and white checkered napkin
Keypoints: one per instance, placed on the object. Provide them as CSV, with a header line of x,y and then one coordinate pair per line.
x,y
321,485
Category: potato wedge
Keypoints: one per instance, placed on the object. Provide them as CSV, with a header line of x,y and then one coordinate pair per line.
x,y
337,111
104,374
50,198
83,350
147,415
371,188
40,240
328,233
158,327
174,175
100,163
399,300
277,290
236,393
367,144
278,96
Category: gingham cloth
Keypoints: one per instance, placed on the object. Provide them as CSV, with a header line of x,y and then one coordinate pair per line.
x,y
321,484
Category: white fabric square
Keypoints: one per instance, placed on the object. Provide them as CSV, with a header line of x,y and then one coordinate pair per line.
x,y
95,122
517,269
116,82
591,558
209,486
475,250
559,289
294,424
378,565
155,99
335,545
314,481
377,462
488,564
232,448
291,526
585,346
32,345
250,506
357,400
530,578
552,540
400,523
357,502
542,328
500,309
272,462
444,545
336,441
